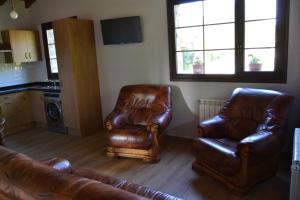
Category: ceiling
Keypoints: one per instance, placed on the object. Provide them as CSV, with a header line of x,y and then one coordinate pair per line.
x,y
28,3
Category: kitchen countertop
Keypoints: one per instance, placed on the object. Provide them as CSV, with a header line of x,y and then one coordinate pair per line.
x,y
37,86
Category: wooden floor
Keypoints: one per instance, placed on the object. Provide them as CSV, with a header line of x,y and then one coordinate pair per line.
x,y
173,174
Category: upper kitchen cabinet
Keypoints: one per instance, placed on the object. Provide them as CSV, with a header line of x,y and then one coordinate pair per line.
x,y
78,75
24,46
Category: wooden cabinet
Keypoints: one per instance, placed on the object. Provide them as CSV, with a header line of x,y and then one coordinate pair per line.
x,y
38,107
24,44
16,109
78,75
33,46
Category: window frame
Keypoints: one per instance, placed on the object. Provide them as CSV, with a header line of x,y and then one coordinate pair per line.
x,y
279,75
45,27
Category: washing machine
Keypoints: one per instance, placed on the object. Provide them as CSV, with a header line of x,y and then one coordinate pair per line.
x,y
54,114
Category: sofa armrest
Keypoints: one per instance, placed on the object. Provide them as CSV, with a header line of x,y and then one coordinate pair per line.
x,y
159,121
59,164
261,143
213,128
2,126
142,191
116,120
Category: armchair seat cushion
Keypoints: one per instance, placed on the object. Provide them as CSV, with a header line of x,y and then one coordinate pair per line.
x,y
130,136
220,154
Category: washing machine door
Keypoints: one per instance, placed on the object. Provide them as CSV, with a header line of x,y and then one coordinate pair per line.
x,y
53,112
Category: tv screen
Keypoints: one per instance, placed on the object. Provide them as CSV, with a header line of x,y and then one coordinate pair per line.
x,y
121,30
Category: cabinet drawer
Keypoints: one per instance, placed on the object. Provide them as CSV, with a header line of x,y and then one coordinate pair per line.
x,y
21,96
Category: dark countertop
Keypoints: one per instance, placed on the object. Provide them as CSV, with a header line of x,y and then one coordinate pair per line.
x,y
36,86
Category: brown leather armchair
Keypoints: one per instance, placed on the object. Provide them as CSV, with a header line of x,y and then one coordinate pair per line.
x,y
136,124
241,146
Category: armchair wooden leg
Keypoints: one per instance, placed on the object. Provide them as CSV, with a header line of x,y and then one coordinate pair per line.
x,y
151,156
227,181
111,154
156,148
151,159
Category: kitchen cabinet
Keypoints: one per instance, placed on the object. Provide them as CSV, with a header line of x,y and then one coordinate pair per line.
x,y
16,109
38,107
24,46
78,75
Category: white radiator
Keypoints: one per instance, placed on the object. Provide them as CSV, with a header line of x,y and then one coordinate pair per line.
x,y
295,176
209,108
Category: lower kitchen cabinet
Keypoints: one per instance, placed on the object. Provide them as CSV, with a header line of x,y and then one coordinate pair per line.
x,y
38,107
16,109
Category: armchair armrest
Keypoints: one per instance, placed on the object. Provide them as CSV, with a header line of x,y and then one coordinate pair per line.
x,y
116,120
213,128
159,121
261,143
59,164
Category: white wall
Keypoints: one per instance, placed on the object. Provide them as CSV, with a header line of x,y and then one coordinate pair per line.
x,y
148,62
11,74
22,22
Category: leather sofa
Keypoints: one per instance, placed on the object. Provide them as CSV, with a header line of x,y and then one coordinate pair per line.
x,y
136,124
22,178
2,126
241,145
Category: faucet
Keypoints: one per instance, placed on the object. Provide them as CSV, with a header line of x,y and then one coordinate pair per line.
x,y
52,83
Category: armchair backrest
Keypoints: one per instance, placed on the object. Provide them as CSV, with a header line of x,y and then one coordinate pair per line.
x,y
249,110
141,102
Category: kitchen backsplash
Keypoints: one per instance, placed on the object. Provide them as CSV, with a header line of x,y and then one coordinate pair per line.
x,y
11,74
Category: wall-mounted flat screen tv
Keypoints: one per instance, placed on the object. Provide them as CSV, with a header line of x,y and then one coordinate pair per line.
x,y
122,30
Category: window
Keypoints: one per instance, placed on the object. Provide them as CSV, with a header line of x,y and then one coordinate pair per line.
x,y
50,50
228,40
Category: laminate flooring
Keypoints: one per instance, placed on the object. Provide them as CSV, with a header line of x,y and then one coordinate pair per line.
x,y
173,174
